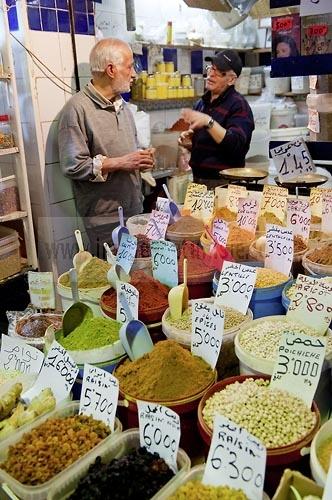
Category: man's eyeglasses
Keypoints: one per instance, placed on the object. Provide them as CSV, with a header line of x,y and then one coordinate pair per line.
x,y
210,67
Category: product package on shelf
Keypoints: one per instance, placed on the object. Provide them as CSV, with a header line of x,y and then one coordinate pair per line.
x,y
316,34
286,38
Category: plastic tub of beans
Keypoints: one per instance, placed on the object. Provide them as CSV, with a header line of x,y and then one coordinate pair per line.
x,y
29,477
185,229
317,262
287,293
277,415
256,347
266,297
320,453
180,331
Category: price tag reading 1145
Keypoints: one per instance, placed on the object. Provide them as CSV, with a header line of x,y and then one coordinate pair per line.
x,y
279,249
159,430
299,365
236,459
99,396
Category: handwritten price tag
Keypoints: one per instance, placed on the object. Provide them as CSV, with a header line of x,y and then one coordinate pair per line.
x,y
233,195
298,217
326,226
236,285
316,201
159,431
41,290
247,215
58,372
208,206
314,124
312,303
220,231
99,396
126,251
314,7
17,355
299,364
164,262
292,159
236,459
162,205
313,81
206,331
279,248
274,201
193,191
157,226
131,294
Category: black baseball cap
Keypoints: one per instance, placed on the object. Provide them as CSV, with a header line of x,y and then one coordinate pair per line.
x,y
226,60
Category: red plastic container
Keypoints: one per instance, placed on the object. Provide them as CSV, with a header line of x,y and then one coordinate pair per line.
x,y
277,458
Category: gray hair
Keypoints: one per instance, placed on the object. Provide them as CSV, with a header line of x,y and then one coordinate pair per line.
x,y
106,51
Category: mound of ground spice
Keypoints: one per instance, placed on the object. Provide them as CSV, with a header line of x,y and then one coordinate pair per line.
x,y
93,275
197,261
322,255
169,372
185,225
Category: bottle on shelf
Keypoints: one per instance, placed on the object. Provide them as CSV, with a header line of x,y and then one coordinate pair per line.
x,y
169,34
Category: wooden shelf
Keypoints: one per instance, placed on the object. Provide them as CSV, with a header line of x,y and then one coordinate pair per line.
x,y
24,269
13,216
191,47
160,104
8,151
264,50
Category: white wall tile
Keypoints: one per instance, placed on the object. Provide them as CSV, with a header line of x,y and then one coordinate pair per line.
x,y
51,99
46,46
84,45
49,132
59,187
66,54
63,219
70,88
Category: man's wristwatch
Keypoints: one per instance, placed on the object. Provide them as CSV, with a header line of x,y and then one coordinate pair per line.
x,y
210,123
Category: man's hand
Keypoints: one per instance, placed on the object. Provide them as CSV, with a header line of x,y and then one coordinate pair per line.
x,y
185,139
138,160
196,119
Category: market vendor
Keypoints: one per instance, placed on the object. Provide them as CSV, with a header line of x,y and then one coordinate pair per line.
x,y
221,122
98,143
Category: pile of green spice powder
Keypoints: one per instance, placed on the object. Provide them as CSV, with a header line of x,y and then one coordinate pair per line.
x,y
91,334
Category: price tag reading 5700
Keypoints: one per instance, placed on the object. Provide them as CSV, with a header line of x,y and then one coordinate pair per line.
x,y
159,431
99,396
236,459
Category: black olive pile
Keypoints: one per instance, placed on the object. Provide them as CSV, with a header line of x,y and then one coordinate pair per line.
x,y
138,475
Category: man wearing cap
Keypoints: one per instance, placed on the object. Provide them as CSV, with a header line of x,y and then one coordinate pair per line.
x,y
221,122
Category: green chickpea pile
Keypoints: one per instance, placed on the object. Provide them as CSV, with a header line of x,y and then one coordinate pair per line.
x,y
195,490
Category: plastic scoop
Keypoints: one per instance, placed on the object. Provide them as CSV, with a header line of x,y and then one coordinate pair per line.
x,y
119,230
178,296
78,311
134,335
111,258
82,257
173,208
117,273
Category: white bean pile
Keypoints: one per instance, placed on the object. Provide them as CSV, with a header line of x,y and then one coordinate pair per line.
x,y
276,417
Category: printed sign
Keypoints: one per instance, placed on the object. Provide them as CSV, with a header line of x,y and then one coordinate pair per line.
x,y
58,372
299,365
274,201
19,356
236,285
314,7
206,331
247,215
233,195
220,231
126,252
326,226
298,217
164,262
159,431
41,290
312,303
99,396
279,248
126,294
236,458
292,159
157,226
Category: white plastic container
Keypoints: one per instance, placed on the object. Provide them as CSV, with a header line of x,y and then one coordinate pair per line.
x,y
40,492
242,82
283,117
90,296
137,224
259,145
122,445
300,84
288,134
262,114
317,471
276,85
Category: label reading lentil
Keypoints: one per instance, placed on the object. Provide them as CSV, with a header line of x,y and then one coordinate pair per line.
x,y
126,252
99,396
326,226
207,331
298,217
236,458
127,297
299,364
220,231
41,290
312,303
279,249
247,215
274,201
159,431
58,372
236,286
164,262
17,355
233,195
292,159
157,226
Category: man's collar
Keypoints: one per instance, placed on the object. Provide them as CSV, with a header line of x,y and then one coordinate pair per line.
x,y
116,103
207,96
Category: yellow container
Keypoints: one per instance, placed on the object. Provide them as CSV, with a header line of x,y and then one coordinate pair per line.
x,y
159,78
191,92
151,80
161,67
171,92
185,91
143,75
177,79
169,67
151,93
180,92
186,80
162,89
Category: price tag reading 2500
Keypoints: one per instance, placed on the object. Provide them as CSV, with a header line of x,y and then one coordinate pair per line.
x,y
236,459
159,430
